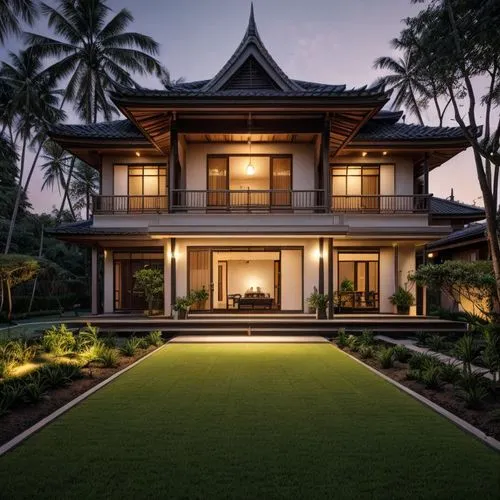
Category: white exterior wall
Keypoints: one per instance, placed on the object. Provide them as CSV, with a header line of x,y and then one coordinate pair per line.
x,y
406,265
302,161
291,273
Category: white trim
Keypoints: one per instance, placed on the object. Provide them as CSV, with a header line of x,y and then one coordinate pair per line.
x,y
49,418
462,424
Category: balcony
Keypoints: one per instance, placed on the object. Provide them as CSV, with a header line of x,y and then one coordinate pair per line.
x,y
381,204
260,201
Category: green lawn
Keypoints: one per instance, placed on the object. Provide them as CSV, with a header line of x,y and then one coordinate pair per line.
x,y
252,421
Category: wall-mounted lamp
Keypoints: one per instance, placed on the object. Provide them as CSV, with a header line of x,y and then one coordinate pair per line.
x,y
384,153
430,255
137,153
364,153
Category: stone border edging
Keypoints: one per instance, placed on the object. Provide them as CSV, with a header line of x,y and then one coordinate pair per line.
x,y
459,422
49,418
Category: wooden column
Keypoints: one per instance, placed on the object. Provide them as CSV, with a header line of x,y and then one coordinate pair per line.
x,y
321,277
325,162
173,273
426,173
173,174
95,280
396,267
330,277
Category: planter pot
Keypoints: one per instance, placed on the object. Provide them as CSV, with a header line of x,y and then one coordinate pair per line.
x,y
311,310
403,310
321,314
182,314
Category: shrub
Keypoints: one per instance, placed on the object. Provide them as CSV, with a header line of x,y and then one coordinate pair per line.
x,y
154,338
342,338
472,389
421,338
450,372
431,377
386,357
413,374
71,371
467,351
418,359
353,343
366,351
54,376
108,358
87,337
401,353
10,395
35,388
6,368
58,340
436,343
109,341
92,353
130,347
367,338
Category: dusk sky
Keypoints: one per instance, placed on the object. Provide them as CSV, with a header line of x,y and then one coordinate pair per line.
x,y
329,41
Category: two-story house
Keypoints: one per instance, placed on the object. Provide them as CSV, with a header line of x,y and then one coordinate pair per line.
x,y
259,188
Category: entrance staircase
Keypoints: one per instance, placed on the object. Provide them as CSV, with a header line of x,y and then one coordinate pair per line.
x,y
271,324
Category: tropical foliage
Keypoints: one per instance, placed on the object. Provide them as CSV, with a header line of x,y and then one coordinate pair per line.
x,y
462,281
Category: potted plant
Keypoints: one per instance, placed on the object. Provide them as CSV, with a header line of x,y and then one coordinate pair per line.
x,y
149,281
182,305
318,302
403,300
347,285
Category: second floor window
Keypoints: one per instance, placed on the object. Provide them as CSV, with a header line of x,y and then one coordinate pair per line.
x,y
355,186
144,185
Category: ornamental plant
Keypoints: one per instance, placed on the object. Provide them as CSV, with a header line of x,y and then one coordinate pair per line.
x,y
149,281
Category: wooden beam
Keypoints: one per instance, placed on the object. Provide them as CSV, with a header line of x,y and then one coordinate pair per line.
x,y
321,277
329,242
325,159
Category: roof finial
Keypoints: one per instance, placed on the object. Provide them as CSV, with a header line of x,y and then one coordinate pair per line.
x,y
252,27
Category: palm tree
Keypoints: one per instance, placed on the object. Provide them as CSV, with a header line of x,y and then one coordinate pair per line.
x,y
404,79
96,54
55,164
32,105
12,13
85,184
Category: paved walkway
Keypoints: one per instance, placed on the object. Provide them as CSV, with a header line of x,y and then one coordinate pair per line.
x,y
411,345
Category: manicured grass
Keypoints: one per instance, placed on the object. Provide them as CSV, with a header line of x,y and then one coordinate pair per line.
x,y
250,421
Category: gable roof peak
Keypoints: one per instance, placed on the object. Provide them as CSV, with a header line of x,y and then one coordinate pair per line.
x,y
252,25
251,46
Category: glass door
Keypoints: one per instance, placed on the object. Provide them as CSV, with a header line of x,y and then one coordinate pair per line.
x,y
217,181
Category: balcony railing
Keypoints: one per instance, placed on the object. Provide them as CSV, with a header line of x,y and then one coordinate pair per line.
x,y
260,201
248,200
381,204
123,204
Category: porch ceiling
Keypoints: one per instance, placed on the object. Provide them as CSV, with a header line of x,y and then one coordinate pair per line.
x,y
256,138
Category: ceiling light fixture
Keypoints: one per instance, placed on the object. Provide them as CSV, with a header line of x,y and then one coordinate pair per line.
x,y
384,153
364,153
137,153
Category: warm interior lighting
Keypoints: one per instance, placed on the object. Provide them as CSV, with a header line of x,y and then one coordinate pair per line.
x,y
318,253
384,153
364,153
430,255
137,153
250,170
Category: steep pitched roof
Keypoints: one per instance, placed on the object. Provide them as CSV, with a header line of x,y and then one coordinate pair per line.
x,y
251,55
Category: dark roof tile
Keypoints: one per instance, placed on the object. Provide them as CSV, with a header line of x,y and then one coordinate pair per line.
x,y
377,130
471,232
117,129
442,207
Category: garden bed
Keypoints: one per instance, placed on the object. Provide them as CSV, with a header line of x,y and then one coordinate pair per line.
x,y
486,418
45,389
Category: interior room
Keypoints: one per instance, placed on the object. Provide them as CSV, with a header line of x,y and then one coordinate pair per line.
x,y
246,280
